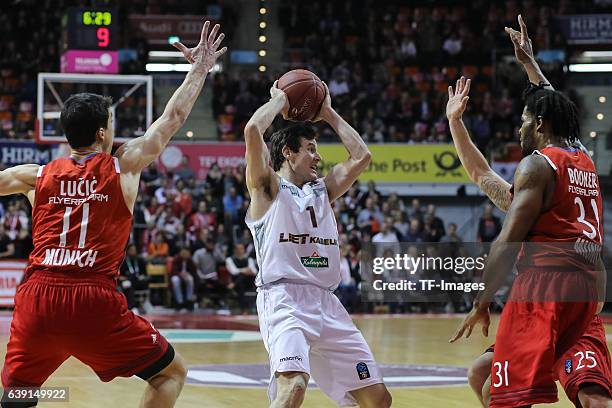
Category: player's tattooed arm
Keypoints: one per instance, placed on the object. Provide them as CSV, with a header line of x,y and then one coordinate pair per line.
x,y
343,175
532,178
497,189
475,164
19,180
140,152
259,174
523,50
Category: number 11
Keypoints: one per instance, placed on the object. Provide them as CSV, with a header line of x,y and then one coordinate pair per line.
x,y
83,229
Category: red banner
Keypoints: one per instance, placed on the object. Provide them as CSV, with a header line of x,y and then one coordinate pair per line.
x,y
11,273
201,156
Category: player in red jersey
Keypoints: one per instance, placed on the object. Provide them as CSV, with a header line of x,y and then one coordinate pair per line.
x,y
524,375
585,370
82,214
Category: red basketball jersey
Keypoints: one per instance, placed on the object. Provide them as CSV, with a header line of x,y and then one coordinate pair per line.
x,y
80,222
576,211
574,222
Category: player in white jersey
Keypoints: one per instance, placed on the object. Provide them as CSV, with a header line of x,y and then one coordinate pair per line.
x,y
305,328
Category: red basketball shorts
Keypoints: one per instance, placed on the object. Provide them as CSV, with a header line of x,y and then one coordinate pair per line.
x,y
587,362
58,316
531,338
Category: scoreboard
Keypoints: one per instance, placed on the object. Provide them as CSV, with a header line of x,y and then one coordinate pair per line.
x,y
90,40
91,29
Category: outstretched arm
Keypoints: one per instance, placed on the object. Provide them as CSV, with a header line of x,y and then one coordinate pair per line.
x,y
138,153
523,51
532,177
342,176
258,171
19,180
477,167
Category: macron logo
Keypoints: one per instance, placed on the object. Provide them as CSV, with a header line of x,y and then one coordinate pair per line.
x,y
294,358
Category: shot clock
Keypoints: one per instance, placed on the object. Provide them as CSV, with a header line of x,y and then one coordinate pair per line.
x,y
90,40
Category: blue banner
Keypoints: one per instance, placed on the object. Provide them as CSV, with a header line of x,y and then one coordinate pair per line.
x,y
586,28
22,152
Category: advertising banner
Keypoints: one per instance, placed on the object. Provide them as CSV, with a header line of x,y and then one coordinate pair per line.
x,y
201,156
23,152
90,62
157,28
391,163
586,28
401,163
11,273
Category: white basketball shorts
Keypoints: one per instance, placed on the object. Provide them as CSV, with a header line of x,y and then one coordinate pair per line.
x,y
305,328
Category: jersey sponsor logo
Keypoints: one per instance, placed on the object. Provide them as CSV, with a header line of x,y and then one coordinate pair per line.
x,y
319,192
303,239
293,358
78,201
63,257
568,366
582,182
362,370
292,189
315,261
76,192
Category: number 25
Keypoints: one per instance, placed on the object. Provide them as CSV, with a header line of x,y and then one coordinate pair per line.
x,y
590,355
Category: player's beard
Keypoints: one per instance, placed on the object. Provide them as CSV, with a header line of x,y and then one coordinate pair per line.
x,y
528,141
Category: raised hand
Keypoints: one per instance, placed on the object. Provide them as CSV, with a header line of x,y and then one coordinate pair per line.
x,y
522,44
457,99
325,106
275,92
204,54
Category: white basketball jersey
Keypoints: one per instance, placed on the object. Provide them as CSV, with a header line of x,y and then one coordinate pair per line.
x,y
297,238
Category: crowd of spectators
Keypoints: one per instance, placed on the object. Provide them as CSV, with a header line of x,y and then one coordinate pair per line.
x,y
391,82
388,65
194,231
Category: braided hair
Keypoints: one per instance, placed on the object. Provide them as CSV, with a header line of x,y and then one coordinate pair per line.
x,y
556,108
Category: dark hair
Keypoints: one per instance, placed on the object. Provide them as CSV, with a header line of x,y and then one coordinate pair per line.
x,y
291,137
556,108
82,116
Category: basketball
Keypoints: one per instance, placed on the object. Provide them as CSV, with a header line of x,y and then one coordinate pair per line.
x,y
305,92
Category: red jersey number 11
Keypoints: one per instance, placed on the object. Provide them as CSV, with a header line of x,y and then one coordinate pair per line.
x,y
83,229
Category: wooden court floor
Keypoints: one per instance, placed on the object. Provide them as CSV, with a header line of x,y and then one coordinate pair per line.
x,y
406,340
